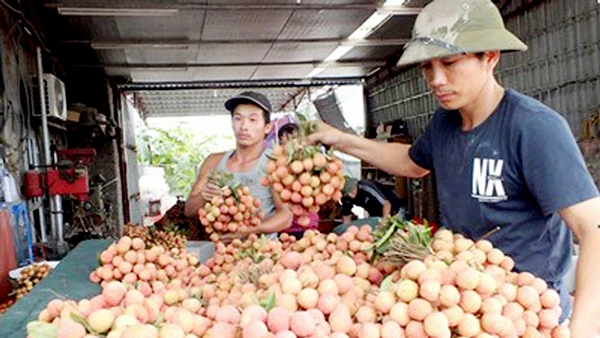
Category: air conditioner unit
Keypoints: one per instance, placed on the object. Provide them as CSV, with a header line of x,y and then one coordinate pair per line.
x,y
54,98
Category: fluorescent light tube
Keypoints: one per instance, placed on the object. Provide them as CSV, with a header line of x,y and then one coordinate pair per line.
x,y
394,3
370,25
141,45
315,72
365,29
101,11
338,53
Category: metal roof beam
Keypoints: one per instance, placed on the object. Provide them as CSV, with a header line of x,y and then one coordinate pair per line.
x,y
182,44
187,66
171,9
275,83
375,42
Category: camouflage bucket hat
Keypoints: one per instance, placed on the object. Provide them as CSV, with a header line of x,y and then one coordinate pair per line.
x,y
450,27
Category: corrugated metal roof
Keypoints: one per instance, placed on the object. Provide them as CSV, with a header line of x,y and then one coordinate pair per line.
x,y
206,101
324,23
208,98
161,56
395,27
372,53
156,75
206,41
274,72
187,25
239,52
298,51
107,56
238,25
351,71
75,27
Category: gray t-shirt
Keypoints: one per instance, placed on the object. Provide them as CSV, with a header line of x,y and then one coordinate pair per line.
x,y
516,170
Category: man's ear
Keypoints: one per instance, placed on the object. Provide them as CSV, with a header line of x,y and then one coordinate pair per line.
x,y
492,58
268,127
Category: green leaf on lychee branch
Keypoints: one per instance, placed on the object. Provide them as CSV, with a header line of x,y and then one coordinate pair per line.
x,y
39,329
269,301
81,320
387,283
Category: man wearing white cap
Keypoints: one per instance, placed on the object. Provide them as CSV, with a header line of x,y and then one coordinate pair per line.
x,y
500,158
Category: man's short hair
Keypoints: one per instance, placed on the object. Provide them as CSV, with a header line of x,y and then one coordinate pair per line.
x,y
286,130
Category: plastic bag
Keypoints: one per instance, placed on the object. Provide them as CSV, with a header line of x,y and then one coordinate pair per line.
x,y
9,187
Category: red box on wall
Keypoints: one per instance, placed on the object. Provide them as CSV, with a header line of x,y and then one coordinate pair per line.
x,y
67,182
32,184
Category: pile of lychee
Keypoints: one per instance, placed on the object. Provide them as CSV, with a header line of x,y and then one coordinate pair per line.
x,y
29,278
131,261
324,285
152,236
6,305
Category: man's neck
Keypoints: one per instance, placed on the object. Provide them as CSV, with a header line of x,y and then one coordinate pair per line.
x,y
248,153
481,109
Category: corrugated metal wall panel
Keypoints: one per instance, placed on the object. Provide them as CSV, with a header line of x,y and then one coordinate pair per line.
x,y
561,68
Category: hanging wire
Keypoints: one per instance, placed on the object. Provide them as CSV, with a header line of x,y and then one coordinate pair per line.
x,y
28,26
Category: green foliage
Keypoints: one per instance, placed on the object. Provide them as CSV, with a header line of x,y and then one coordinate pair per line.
x,y
180,151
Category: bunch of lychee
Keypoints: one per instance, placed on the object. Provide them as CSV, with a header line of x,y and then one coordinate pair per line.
x,y
129,260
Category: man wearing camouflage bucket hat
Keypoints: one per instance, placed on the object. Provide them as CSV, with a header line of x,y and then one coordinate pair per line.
x,y
499,157
452,27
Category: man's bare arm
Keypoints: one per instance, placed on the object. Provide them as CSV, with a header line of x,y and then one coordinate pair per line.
x,y
387,209
201,190
390,157
584,219
347,219
281,219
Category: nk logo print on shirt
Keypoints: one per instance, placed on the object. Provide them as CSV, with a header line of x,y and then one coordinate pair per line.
x,y
487,180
